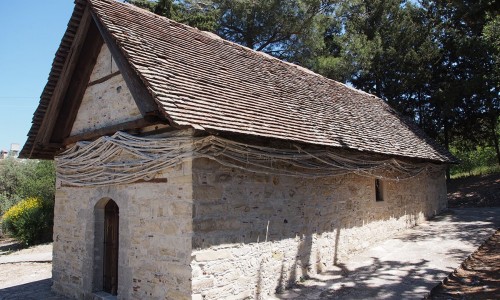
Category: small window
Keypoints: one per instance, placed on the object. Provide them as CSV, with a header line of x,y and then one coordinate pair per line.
x,y
379,190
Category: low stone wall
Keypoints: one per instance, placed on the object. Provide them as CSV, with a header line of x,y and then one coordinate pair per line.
x,y
154,238
256,234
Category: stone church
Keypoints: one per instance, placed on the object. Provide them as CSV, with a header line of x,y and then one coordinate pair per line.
x,y
190,167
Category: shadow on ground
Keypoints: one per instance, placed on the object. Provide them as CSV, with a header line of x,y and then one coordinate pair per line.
x,y
6,247
474,191
407,266
35,290
478,277
380,280
460,223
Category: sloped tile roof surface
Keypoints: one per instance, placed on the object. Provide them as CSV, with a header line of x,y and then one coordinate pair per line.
x,y
201,80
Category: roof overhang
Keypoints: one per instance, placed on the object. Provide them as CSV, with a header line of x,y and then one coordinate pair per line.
x,y
68,79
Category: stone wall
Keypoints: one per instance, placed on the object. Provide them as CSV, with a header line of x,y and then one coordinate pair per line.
x,y
255,234
205,231
154,238
107,100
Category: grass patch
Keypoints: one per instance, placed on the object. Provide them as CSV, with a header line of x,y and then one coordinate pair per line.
x,y
477,171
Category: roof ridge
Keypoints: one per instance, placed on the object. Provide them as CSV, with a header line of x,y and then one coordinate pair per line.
x,y
303,75
200,80
216,37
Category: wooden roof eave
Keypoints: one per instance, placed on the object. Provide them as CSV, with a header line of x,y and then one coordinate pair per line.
x,y
44,135
65,98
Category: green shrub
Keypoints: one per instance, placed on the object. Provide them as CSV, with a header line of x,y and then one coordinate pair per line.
x,y
477,161
29,221
7,202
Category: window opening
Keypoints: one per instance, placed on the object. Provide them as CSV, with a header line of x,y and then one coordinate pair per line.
x,y
379,193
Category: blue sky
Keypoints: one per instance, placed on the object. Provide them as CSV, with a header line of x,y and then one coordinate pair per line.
x,y
30,33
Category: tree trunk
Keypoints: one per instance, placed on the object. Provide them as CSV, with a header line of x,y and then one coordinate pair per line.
x,y
495,141
447,145
250,28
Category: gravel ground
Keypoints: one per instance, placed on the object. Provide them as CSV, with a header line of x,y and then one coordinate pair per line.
x,y
23,266
14,274
27,273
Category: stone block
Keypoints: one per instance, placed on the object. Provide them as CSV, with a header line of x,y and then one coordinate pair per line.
x,y
181,209
203,210
197,297
178,295
211,255
207,194
218,267
242,295
202,283
216,225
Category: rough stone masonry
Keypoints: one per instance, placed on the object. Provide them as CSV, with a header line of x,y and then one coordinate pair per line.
x,y
206,231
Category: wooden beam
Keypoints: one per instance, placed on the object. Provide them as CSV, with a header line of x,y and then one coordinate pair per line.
x,y
145,102
103,79
154,180
45,132
78,84
135,124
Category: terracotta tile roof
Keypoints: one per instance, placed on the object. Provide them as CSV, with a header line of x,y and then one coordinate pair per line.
x,y
201,80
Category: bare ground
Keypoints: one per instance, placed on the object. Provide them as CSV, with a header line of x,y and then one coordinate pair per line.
x,y
478,277
474,191
21,266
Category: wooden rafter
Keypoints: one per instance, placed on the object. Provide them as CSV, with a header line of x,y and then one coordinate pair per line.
x,y
56,102
78,84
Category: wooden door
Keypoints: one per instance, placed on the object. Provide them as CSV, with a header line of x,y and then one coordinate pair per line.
x,y
111,248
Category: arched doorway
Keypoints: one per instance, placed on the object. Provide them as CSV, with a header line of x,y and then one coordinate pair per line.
x,y
110,261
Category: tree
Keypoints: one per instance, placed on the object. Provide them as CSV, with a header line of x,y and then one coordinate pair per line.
x,y
435,61
491,37
10,177
290,30
21,179
40,180
383,47
466,77
199,14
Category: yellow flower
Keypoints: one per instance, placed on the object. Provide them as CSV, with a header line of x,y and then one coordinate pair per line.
x,y
20,208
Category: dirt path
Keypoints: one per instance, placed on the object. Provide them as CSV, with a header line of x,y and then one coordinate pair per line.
x,y
19,266
26,273
407,266
478,277
39,253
